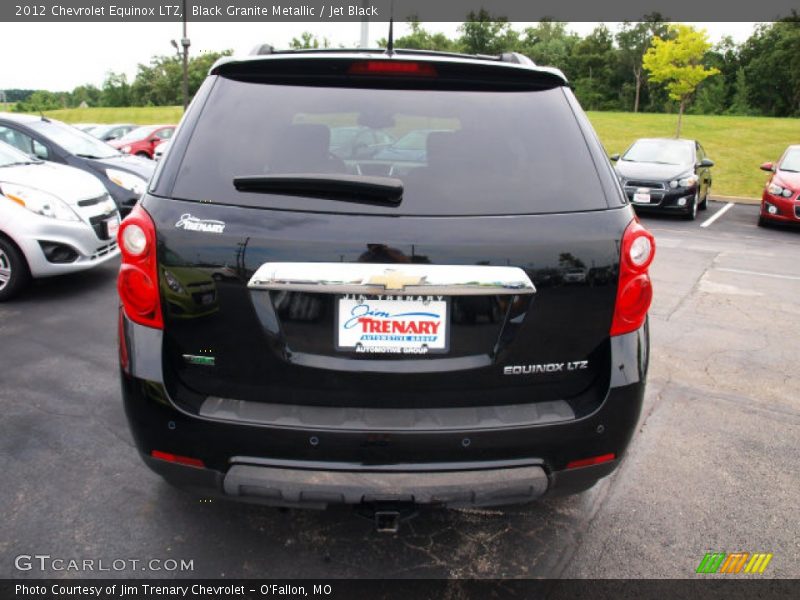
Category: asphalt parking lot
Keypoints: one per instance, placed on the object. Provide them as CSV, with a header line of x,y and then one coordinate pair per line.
x,y
714,466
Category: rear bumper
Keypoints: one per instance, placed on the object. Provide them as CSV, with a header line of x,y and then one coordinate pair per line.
x,y
478,486
303,462
318,488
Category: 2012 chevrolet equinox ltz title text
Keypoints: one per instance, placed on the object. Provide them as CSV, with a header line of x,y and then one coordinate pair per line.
x,y
456,317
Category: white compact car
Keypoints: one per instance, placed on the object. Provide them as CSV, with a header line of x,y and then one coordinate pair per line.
x,y
54,219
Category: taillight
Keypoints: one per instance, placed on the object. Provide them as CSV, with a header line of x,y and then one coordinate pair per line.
x,y
635,292
392,67
138,276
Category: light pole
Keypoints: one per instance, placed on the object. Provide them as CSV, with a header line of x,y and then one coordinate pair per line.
x,y
183,53
364,43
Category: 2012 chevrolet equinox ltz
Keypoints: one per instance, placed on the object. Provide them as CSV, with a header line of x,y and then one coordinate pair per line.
x,y
461,323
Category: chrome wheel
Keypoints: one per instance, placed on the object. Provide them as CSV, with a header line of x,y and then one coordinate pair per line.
x,y
5,269
14,274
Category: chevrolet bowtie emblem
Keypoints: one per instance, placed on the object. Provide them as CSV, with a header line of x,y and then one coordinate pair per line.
x,y
394,280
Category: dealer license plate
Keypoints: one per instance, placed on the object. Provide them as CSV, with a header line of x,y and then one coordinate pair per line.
x,y
642,197
401,325
112,226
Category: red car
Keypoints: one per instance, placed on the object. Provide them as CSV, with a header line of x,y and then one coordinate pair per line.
x,y
781,200
142,141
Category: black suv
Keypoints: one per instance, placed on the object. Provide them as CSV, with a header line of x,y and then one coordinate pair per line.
x,y
464,325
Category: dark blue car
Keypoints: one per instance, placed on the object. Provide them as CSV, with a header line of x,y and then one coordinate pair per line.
x,y
125,177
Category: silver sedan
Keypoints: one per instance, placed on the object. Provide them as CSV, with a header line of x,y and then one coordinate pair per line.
x,y
54,219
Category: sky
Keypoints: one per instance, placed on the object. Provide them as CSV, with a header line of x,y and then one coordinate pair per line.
x,y
60,56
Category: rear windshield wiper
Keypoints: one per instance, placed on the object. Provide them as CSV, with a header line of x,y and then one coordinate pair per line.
x,y
347,188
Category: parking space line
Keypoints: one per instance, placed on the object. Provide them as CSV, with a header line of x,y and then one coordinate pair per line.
x,y
745,272
717,215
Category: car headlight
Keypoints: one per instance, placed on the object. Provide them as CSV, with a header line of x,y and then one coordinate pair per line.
x,y
38,201
173,283
686,180
776,190
129,181
125,149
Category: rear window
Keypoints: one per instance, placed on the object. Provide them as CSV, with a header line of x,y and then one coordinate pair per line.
x,y
456,152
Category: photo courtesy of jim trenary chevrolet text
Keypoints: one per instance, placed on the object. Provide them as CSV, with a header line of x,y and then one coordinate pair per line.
x,y
399,299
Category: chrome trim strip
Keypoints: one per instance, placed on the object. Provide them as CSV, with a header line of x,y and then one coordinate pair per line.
x,y
393,279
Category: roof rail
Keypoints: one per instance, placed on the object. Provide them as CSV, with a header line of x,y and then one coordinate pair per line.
x,y
262,49
516,58
509,57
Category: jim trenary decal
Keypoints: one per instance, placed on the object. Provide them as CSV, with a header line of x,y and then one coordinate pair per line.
x,y
392,324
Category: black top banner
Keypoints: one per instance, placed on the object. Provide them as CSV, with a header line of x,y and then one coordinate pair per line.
x,y
382,10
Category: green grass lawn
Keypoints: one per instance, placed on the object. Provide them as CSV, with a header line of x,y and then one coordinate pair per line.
x,y
738,145
141,115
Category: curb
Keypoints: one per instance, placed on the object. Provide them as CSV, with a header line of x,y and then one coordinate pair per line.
x,y
735,199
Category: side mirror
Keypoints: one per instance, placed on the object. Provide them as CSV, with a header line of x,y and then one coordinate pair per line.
x,y
767,166
614,157
706,162
108,138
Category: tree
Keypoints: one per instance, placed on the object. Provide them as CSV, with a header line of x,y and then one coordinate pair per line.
x,y
593,59
483,34
725,57
42,100
633,40
710,97
160,82
677,63
85,93
549,44
308,41
422,39
740,105
771,60
116,90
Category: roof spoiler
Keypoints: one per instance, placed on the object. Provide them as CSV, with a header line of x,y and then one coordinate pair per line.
x,y
509,57
229,64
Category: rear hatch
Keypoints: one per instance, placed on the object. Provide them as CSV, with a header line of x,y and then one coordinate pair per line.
x,y
473,264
